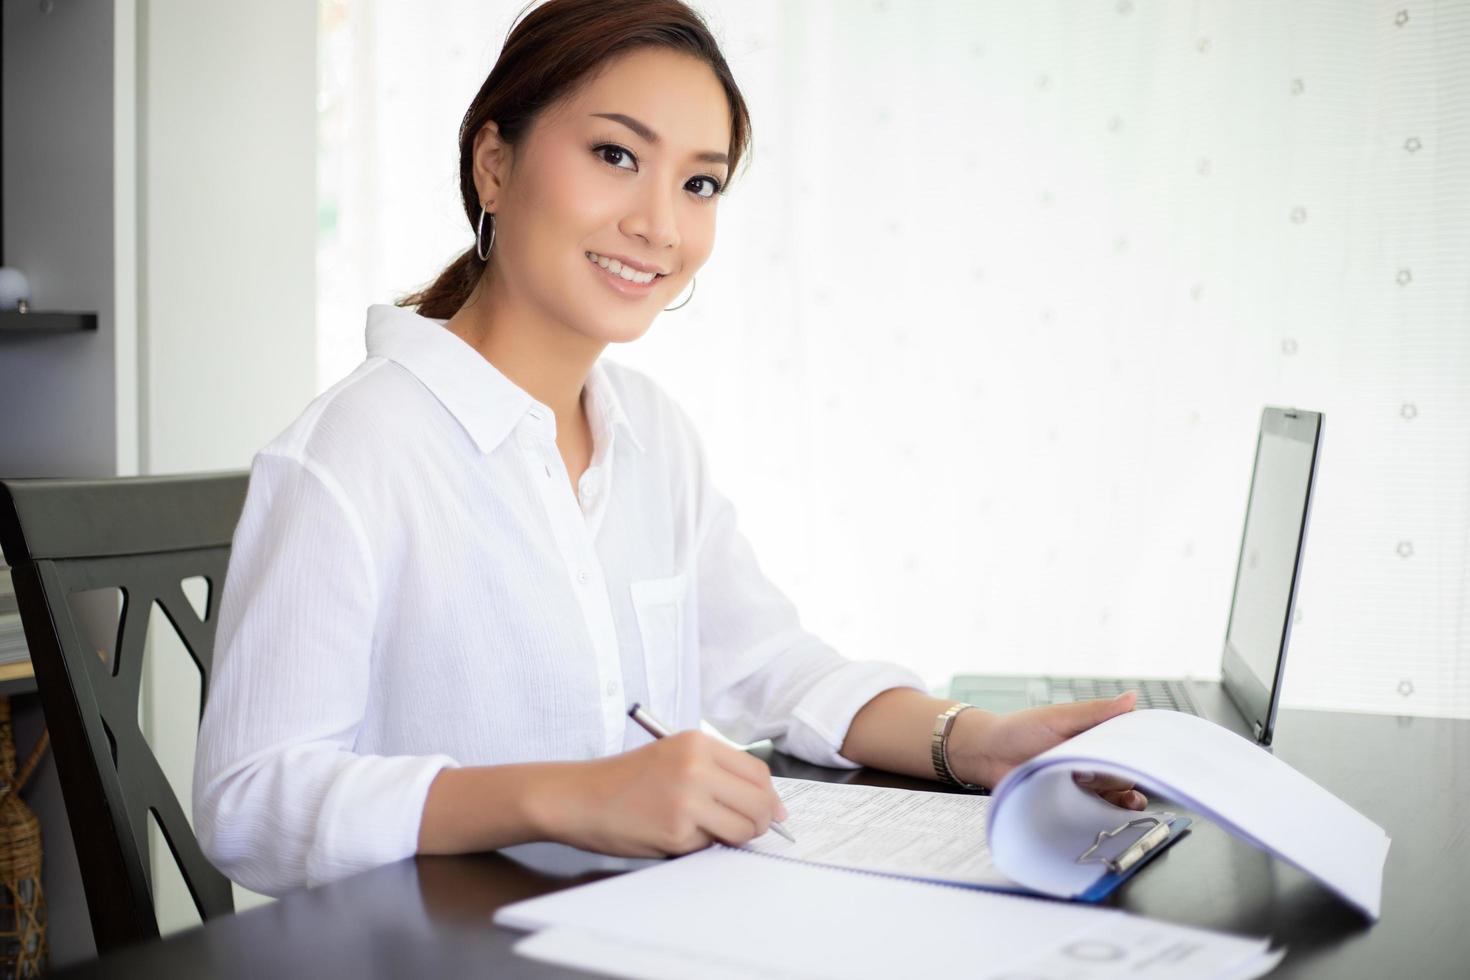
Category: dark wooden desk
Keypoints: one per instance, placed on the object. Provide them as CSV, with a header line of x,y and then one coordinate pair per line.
x,y
430,917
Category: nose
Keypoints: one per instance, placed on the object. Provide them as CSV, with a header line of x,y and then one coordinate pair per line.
x,y
654,217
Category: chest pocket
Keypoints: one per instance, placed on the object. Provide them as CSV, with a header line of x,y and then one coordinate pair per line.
x,y
659,605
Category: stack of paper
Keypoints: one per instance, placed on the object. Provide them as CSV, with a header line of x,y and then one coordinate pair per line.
x,y
727,914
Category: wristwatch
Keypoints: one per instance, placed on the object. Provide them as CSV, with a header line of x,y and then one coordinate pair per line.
x,y
939,747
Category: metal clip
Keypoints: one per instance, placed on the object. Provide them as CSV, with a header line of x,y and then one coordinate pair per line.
x,y
1135,852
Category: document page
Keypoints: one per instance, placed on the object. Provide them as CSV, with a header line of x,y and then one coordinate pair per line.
x,y
1038,816
1140,949
933,836
727,914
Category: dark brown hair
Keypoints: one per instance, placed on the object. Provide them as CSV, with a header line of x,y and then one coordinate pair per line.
x,y
560,44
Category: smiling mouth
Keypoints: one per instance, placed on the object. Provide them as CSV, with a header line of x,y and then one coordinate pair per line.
x,y
626,273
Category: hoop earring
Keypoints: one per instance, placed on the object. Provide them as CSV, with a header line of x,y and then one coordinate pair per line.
x,y
480,233
686,302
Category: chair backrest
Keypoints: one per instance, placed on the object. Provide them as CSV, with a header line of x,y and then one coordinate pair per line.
x,y
143,536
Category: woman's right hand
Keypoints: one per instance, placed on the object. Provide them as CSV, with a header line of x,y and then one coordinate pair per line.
x,y
672,796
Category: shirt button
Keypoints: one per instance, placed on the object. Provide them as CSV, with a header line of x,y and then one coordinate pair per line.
x,y
612,688
582,576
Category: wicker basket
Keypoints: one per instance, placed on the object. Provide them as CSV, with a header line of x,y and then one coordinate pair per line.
x,y
22,904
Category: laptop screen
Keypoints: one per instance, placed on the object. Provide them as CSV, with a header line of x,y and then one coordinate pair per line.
x,y
1267,572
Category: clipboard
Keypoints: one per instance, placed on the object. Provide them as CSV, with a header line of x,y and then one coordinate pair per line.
x,y
1127,848
946,856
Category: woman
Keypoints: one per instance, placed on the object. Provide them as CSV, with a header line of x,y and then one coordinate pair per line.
x,y
459,567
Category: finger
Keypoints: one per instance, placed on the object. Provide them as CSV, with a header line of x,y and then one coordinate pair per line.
x,y
750,802
743,764
753,771
697,841
726,824
1079,716
1101,782
1129,799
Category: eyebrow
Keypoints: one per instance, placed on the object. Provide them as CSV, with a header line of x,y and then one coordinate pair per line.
x,y
708,156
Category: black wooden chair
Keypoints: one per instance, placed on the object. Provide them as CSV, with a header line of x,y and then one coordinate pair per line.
x,y
143,536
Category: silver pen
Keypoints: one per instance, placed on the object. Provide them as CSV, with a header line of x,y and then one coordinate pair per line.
x,y
652,726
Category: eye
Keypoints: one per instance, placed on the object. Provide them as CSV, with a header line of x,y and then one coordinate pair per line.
x,y
614,155
714,186
605,149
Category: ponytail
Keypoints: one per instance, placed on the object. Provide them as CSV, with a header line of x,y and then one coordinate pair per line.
x,y
446,294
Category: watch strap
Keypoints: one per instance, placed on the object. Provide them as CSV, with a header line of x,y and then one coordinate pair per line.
x,y
939,746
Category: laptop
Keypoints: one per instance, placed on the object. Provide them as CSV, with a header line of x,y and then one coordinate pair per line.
x,y
1253,660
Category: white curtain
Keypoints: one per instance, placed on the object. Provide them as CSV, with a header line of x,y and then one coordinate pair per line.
x,y
982,349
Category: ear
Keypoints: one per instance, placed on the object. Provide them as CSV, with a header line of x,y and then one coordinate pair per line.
x,y
491,164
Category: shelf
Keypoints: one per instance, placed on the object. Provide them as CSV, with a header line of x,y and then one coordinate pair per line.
x,y
43,322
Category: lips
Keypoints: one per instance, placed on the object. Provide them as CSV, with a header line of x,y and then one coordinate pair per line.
x,y
633,264
624,287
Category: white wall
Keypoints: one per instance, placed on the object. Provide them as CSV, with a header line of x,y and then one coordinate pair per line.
x,y
982,348
226,164
228,215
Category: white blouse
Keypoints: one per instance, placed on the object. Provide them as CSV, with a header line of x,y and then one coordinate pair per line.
x,y
414,585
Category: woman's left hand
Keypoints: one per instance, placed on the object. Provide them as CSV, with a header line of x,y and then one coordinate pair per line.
x,y
983,747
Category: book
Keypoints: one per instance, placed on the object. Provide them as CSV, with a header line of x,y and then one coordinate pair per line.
x,y
8,604
13,647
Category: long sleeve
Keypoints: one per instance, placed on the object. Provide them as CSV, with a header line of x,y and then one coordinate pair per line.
x,y
280,797
763,675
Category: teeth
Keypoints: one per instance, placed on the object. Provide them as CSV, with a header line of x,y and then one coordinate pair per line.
x,y
618,269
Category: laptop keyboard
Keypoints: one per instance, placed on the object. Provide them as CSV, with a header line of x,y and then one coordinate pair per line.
x,y
1012,693
1151,693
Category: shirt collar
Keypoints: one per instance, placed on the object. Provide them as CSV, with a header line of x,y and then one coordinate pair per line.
x,y
482,399
603,402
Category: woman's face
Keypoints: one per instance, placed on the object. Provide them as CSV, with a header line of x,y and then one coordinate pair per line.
x,y
628,168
